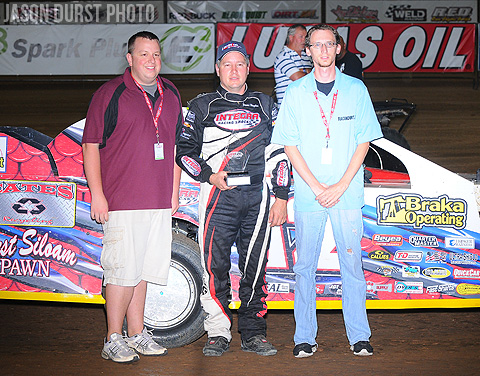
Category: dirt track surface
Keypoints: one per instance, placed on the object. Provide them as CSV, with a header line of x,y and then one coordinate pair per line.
x,y
59,339
66,339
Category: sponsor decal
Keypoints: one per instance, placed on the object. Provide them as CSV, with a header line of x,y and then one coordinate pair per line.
x,y
435,257
466,273
423,241
278,288
387,270
190,118
410,271
468,289
282,174
408,256
185,47
190,16
448,287
31,203
191,165
379,254
408,287
335,288
436,272
405,13
185,134
373,287
237,120
463,258
243,16
41,251
3,154
319,289
452,14
419,212
289,14
387,240
355,14
188,196
460,242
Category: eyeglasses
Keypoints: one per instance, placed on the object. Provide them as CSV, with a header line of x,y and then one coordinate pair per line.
x,y
319,45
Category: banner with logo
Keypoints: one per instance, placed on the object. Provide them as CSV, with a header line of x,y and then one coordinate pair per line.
x,y
100,49
83,12
380,47
436,11
244,11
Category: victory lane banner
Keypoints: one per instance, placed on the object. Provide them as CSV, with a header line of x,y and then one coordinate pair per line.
x,y
380,47
100,49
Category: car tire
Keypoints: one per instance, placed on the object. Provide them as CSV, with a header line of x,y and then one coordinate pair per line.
x,y
173,312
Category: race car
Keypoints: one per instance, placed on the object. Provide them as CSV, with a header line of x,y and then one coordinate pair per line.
x,y
420,246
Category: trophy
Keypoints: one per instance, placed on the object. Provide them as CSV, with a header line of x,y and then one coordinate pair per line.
x,y
237,159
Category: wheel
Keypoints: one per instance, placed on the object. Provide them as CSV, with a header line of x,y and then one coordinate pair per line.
x,y
393,135
173,312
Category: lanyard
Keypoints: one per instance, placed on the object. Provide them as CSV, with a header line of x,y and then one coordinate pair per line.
x,y
324,118
160,107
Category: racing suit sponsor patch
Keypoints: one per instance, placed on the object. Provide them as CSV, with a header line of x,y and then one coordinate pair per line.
x,y
237,120
191,165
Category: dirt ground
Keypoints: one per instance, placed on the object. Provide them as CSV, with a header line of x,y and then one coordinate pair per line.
x,y
66,339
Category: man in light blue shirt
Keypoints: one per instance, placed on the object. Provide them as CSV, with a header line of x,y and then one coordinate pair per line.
x,y
292,62
326,123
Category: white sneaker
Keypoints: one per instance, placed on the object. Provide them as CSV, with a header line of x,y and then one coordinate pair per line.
x,y
117,350
144,344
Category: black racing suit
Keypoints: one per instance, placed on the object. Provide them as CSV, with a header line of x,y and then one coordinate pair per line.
x,y
217,124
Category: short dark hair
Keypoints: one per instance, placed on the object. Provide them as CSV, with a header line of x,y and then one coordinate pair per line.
x,y
321,27
292,30
141,34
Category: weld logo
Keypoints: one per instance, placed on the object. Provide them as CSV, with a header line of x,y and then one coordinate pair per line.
x,y
405,13
379,254
423,241
436,272
237,120
419,212
387,240
409,287
185,46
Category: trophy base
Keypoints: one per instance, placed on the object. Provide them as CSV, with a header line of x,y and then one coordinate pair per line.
x,y
234,179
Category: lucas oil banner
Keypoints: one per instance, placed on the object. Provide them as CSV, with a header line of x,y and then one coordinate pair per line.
x,y
380,47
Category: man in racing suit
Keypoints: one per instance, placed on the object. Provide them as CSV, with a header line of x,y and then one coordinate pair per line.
x,y
231,121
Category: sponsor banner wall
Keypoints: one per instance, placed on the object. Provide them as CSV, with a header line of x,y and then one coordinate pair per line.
x,y
244,11
381,47
347,11
83,12
100,49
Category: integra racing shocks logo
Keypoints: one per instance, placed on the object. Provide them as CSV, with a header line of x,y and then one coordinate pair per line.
x,y
237,120
417,211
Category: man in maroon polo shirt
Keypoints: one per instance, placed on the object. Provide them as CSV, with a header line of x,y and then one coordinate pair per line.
x,y
128,151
